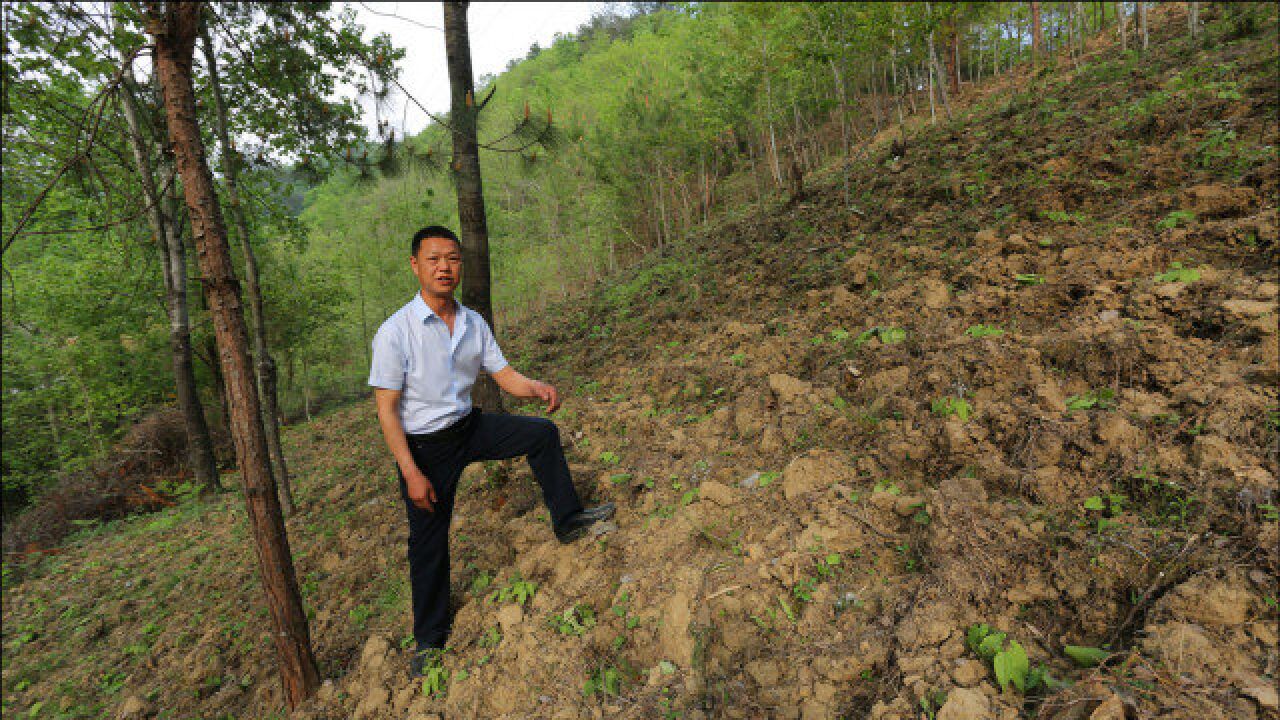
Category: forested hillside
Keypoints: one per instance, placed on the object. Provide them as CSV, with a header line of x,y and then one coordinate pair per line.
x,y
933,369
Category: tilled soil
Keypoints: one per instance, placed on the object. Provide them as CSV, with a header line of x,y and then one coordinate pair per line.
x,y
1024,377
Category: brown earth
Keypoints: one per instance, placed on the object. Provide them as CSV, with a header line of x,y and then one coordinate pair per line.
x,y
810,518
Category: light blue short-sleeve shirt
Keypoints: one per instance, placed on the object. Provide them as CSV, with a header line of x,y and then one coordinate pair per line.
x,y
414,352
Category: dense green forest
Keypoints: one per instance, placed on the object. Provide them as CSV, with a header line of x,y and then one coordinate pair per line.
x,y
598,149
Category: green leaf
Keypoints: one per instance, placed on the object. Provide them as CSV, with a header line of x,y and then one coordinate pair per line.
x,y
1086,656
1011,666
991,645
1093,502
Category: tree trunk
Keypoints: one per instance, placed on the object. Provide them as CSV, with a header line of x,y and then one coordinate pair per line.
x,y
1037,36
935,71
173,268
1142,20
466,170
952,34
1193,19
266,365
174,27
1124,27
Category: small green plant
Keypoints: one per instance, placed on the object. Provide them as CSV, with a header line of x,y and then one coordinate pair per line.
x,y
1112,504
1011,665
738,359
519,591
359,615
480,583
886,335
608,457
1102,399
1177,218
767,478
606,681
1269,512
1217,145
948,406
491,638
1029,278
1178,274
577,620
839,335
803,589
435,680
982,331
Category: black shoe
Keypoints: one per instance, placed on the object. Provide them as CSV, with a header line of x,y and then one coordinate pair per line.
x,y
425,659
577,524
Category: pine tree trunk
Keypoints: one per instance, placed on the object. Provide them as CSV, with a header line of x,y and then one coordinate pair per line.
x,y
173,268
466,170
174,27
266,365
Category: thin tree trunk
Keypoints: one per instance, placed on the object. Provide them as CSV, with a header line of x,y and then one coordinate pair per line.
x,y
466,169
1124,27
173,267
1193,19
174,27
266,365
1037,35
1142,20
935,71
768,99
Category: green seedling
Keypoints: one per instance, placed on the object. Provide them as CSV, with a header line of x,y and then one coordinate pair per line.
x,y
1176,219
738,359
1011,664
982,331
608,457
435,681
1102,398
948,406
1178,274
886,335
576,621
767,478
839,335
519,591
620,478
606,681
803,589
1029,278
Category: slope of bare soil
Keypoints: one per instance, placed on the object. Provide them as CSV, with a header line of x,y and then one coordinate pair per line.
x,y
1024,377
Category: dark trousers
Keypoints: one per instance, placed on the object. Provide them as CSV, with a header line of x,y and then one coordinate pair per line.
x,y
442,457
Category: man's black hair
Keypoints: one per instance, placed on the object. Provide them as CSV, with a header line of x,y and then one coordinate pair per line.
x,y
433,231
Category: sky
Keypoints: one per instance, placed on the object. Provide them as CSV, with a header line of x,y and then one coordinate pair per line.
x,y
500,31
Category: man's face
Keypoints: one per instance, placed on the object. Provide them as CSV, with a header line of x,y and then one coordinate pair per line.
x,y
438,265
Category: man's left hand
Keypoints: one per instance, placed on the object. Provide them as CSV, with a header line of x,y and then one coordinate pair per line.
x,y
546,392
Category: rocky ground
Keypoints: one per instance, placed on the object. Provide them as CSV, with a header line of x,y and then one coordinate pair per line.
x,y
1022,380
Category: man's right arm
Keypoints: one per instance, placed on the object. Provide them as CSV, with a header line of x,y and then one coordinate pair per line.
x,y
421,491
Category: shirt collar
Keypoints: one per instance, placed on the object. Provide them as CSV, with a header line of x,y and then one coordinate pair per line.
x,y
422,312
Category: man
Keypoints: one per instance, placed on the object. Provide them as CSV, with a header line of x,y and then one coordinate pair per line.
x,y
425,360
